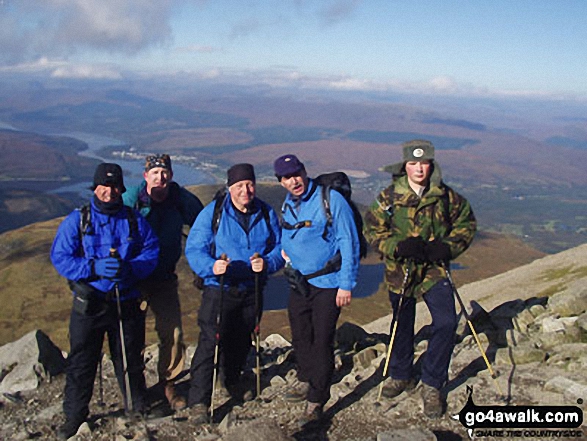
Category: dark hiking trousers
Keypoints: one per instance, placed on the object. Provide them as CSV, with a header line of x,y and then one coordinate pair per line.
x,y
313,320
86,336
237,323
440,302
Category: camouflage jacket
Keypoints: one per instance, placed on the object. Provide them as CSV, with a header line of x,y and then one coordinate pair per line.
x,y
398,213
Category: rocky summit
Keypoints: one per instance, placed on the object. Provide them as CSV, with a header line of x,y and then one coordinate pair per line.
x,y
531,323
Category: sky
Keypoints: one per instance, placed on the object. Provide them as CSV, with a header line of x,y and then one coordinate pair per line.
x,y
528,48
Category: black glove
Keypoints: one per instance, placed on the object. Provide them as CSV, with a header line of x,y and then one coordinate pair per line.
x,y
411,248
437,251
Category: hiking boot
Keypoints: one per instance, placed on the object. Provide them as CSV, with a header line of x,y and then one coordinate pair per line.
x,y
240,392
68,429
176,401
395,387
312,414
221,391
432,401
199,414
297,392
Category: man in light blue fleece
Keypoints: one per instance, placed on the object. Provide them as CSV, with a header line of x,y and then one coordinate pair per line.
x,y
322,262
235,240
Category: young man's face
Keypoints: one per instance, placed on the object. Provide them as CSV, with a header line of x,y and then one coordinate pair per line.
x,y
418,172
242,193
295,184
106,193
158,180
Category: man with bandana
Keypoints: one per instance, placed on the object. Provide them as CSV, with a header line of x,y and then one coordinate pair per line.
x,y
418,224
104,249
167,207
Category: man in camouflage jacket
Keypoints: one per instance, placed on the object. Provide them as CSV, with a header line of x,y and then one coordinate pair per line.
x,y
418,224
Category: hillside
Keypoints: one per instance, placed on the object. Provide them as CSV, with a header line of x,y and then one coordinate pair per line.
x,y
34,157
34,296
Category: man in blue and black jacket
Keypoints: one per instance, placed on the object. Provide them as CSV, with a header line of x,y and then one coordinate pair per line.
x,y
104,249
322,271
246,231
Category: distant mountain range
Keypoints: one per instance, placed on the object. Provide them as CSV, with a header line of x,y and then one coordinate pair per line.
x,y
519,162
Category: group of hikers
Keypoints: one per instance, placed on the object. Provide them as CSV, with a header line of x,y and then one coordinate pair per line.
x,y
119,255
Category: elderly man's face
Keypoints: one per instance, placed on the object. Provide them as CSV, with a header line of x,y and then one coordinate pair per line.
x,y
241,194
418,172
107,193
295,184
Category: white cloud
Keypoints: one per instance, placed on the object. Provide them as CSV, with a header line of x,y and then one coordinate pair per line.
x,y
58,28
40,65
198,49
290,77
87,71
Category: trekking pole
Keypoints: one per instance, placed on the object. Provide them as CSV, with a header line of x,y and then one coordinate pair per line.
x,y
217,344
394,328
101,381
468,318
257,329
128,397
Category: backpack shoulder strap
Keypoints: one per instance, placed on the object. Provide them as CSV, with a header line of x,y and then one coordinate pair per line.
x,y
327,212
217,213
133,224
271,238
85,225
219,199
85,220
385,199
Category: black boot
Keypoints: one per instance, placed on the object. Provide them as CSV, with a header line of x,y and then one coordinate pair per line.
x,y
69,428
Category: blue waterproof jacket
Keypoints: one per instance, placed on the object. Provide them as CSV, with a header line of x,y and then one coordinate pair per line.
x,y
203,248
74,261
167,220
308,250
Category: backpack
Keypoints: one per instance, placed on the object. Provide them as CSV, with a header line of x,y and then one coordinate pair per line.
x,y
340,182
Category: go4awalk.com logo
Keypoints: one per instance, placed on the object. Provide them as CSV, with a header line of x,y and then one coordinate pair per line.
x,y
537,422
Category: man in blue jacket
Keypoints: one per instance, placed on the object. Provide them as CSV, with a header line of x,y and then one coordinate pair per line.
x,y
103,250
167,208
322,271
246,230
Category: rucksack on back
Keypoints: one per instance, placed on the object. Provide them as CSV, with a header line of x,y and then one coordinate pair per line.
x,y
340,182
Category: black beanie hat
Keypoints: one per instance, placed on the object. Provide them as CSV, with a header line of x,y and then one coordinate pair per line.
x,y
110,175
240,172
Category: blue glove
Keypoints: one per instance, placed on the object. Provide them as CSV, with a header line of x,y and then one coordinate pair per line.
x,y
123,272
107,267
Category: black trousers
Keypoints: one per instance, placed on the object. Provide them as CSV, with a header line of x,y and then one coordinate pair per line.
x,y
237,323
86,336
313,320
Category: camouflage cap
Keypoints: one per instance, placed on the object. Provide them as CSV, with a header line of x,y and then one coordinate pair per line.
x,y
418,150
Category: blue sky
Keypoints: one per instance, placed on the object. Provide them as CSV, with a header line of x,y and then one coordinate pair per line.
x,y
475,47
